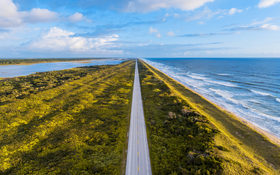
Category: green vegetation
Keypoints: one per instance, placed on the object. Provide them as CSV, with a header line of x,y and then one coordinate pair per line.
x,y
66,122
21,87
76,122
181,140
235,148
40,60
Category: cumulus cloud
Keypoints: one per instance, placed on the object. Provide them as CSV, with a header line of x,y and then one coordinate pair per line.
x,y
39,15
76,17
10,16
151,5
58,39
268,3
233,11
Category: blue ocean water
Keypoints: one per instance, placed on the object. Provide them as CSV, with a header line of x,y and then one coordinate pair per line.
x,y
21,70
249,88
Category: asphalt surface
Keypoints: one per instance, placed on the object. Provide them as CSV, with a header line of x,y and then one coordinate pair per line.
x,y
138,159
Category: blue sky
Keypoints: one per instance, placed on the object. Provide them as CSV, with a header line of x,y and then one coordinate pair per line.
x,y
139,28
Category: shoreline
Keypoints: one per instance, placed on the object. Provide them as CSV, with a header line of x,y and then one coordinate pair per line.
x,y
39,62
56,61
74,61
270,136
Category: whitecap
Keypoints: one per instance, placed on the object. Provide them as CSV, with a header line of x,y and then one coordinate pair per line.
x,y
225,94
278,99
223,83
197,76
261,93
267,116
224,74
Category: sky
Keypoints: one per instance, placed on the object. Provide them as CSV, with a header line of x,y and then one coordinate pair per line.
x,y
139,28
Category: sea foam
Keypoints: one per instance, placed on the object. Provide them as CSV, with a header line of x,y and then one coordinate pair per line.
x,y
225,94
261,93
222,83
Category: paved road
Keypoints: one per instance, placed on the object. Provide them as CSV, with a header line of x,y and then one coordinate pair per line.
x,y
138,159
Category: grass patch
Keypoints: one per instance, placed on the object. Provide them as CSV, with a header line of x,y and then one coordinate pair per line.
x,y
77,126
241,149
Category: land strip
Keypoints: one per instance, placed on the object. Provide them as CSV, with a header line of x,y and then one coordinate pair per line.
x,y
44,60
241,149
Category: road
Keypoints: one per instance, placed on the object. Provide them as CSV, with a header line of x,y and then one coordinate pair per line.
x,y
138,159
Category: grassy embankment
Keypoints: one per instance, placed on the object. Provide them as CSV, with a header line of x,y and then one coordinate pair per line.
x,y
66,122
176,146
41,60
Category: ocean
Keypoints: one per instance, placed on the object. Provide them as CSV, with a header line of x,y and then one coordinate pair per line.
x,y
247,87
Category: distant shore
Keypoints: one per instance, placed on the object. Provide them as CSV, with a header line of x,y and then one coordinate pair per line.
x,y
5,62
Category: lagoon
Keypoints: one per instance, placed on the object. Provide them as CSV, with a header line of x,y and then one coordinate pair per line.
x,y
9,71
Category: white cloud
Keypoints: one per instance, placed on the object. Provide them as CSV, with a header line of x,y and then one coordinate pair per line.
x,y
76,17
58,39
270,27
233,11
39,15
10,16
268,3
151,5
